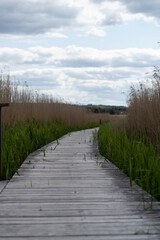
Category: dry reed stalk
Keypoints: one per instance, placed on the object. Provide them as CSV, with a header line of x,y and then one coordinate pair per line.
x,y
26,105
144,111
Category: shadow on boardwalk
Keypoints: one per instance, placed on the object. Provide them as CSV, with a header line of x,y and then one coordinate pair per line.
x,y
66,191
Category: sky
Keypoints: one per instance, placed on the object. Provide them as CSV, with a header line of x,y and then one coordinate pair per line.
x,y
80,51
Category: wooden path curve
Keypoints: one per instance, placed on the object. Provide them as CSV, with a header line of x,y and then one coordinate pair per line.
x,y
66,191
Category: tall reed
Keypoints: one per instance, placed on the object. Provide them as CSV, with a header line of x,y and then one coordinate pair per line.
x,y
33,120
133,144
26,104
144,110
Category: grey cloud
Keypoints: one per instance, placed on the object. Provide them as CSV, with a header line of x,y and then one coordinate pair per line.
x,y
99,74
40,17
81,62
101,93
113,20
117,61
27,17
78,74
150,8
86,58
102,90
147,7
121,62
38,79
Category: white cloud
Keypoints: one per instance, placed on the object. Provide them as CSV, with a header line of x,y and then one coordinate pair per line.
x,y
74,72
69,85
76,57
96,32
54,18
90,14
79,73
54,35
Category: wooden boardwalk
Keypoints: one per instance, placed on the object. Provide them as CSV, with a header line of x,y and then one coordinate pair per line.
x,y
66,191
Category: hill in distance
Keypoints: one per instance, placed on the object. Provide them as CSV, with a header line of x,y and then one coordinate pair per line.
x,y
111,109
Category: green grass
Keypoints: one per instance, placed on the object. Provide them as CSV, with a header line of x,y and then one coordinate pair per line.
x,y
138,159
20,139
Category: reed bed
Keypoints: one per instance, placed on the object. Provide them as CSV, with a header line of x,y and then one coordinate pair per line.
x,y
26,105
33,120
143,116
133,143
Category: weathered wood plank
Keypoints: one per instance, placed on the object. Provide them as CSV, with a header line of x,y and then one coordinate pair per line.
x,y
109,237
75,229
71,193
2,185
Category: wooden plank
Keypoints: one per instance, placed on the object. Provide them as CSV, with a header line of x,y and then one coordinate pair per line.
x,y
106,237
2,185
80,219
75,229
72,193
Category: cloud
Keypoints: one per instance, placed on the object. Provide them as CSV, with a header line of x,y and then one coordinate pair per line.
x,y
52,34
149,8
82,74
96,32
75,85
38,78
35,17
145,7
73,72
53,18
80,57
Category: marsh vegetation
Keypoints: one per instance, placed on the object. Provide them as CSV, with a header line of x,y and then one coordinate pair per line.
x,y
33,120
133,143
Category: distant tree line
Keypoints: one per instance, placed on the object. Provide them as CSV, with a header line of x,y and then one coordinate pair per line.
x,y
107,109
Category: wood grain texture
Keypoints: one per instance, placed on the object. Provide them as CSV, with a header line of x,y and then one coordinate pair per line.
x,y
72,193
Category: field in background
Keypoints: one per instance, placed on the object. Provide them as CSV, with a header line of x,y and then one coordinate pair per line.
x,y
111,109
